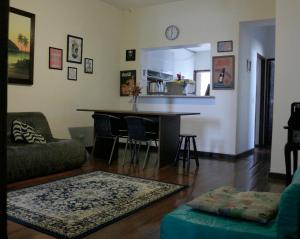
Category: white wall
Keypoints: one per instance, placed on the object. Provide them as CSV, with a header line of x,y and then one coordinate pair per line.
x,y
255,38
184,62
206,21
100,25
287,82
158,60
203,60
170,61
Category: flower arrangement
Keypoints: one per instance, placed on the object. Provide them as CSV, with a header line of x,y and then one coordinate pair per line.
x,y
135,91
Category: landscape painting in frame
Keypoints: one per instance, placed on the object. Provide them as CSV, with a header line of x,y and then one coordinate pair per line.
x,y
21,47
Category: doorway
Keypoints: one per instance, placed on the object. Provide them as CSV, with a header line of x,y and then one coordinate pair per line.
x,y
202,79
264,101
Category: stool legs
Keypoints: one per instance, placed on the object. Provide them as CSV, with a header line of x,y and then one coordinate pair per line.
x,y
178,150
287,153
195,152
295,157
187,150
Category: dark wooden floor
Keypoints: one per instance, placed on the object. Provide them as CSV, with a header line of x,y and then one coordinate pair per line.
x,y
249,173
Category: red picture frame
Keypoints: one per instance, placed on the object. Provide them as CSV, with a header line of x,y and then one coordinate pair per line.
x,y
55,58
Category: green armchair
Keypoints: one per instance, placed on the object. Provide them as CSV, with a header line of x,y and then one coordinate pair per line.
x,y
187,223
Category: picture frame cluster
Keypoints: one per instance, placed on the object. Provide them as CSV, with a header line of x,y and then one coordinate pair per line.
x,y
74,56
223,67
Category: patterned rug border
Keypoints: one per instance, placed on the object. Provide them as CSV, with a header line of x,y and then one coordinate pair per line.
x,y
93,230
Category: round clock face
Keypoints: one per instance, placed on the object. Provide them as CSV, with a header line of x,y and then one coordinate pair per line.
x,y
172,32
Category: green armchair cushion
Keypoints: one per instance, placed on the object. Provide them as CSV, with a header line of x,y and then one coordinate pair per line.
x,y
227,201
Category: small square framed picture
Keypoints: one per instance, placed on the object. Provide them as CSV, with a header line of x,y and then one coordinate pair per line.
x,y
88,65
55,58
72,73
130,55
225,46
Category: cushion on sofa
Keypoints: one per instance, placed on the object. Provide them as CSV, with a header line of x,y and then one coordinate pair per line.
x,y
227,201
23,132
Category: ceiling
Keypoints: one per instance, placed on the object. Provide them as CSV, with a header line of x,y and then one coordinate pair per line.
x,y
129,4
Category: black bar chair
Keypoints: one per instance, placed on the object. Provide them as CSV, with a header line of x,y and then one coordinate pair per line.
x,y
187,138
106,127
137,135
293,141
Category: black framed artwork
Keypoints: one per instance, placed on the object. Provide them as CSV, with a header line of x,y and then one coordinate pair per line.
x,y
21,47
74,49
225,46
127,82
130,55
72,73
88,65
55,58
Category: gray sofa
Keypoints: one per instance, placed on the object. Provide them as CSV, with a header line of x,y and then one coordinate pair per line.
x,y
26,161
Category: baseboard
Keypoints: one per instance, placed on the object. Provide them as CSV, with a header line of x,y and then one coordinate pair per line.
x,y
277,176
226,156
245,154
200,153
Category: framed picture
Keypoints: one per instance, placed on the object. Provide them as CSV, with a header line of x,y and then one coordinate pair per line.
x,y
127,81
74,49
225,46
223,72
130,55
72,73
88,65
21,47
55,58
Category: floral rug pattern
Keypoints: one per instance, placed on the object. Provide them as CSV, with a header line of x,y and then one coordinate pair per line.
x,y
77,206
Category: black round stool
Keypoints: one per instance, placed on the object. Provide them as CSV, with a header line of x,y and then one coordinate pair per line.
x,y
187,149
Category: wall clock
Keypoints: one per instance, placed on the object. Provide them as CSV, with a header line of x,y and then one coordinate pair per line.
x,y
172,32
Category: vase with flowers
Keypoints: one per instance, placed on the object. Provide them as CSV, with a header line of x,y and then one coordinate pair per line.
x,y
135,92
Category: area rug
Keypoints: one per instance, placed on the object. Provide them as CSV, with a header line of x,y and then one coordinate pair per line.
x,y
77,206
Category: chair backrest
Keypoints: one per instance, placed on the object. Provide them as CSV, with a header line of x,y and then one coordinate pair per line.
x,y
35,119
105,125
288,219
137,127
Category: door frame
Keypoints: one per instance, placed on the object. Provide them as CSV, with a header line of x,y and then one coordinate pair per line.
x,y
262,100
4,12
195,75
264,104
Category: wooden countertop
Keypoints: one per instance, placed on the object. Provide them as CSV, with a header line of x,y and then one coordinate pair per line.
x,y
130,112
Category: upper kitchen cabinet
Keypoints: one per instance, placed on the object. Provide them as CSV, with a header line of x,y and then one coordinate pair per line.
x,y
171,71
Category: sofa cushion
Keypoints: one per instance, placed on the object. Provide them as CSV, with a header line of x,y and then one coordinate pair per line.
x,y
26,161
36,119
25,132
227,201
17,131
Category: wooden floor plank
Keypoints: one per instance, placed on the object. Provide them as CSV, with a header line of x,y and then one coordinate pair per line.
x,y
250,173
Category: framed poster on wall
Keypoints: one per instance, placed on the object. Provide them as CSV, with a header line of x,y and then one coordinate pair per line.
x,y
21,47
223,72
55,58
127,81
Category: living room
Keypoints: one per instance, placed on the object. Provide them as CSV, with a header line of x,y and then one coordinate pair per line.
x,y
107,29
